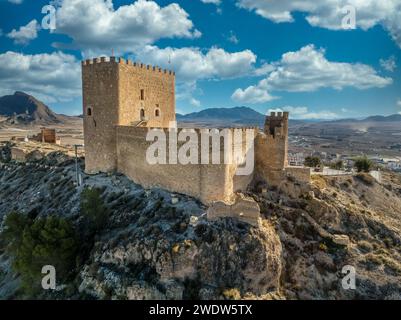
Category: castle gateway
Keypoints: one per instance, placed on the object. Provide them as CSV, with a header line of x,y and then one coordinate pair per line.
x,y
123,101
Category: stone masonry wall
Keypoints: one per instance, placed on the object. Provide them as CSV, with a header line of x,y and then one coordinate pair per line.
x,y
100,110
158,94
207,182
271,149
302,174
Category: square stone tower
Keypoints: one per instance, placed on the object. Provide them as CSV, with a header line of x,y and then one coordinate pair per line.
x,y
276,130
118,92
272,148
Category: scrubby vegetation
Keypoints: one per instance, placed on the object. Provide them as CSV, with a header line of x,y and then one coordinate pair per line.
x,y
312,162
33,244
338,165
363,164
93,208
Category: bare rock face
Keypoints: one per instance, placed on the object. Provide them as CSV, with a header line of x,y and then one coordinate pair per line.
x,y
202,263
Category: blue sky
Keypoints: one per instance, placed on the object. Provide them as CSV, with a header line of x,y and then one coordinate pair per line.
x,y
262,54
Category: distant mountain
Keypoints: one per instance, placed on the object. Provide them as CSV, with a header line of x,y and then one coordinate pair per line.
x,y
238,116
391,118
224,116
231,114
227,117
22,108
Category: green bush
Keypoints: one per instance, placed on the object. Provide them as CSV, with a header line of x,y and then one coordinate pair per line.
x,y
93,208
338,165
312,162
363,164
33,244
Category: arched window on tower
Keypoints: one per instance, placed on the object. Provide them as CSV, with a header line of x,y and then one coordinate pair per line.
x,y
142,114
157,111
89,111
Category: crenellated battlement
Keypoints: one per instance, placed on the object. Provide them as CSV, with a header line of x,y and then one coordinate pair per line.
x,y
279,115
199,131
277,124
122,61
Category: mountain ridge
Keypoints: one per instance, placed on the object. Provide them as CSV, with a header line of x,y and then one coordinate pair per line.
x,y
244,115
22,108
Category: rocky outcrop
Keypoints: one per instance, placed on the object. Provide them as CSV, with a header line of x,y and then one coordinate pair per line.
x,y
156,244
201,263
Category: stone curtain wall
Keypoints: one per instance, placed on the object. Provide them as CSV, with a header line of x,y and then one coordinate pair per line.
x,y
207,182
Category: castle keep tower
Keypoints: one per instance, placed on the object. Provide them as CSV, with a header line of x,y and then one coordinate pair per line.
x,y
118,92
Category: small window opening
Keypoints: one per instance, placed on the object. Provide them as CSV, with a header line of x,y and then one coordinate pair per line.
x,y
142,114
89,111
142,94
157,113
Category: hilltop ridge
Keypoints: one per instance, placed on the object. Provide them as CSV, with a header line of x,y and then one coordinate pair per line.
x,y
22,108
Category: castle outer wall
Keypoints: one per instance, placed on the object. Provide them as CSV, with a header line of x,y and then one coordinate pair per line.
x,y
207,182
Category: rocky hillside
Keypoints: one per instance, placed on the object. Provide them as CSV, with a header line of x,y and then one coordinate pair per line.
x,y
159,245
21,108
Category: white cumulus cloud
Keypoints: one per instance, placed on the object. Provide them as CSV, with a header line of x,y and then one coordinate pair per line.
x,y
253,94
192,64
25,33
329,13
96,26
49,77
308,70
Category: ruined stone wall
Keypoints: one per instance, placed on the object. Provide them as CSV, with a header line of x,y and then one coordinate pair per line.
x,y
302,174
207,182
18,154
158,89
46,135
49,135
100,110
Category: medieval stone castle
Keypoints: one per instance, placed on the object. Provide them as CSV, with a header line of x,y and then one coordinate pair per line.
x,y
122,101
